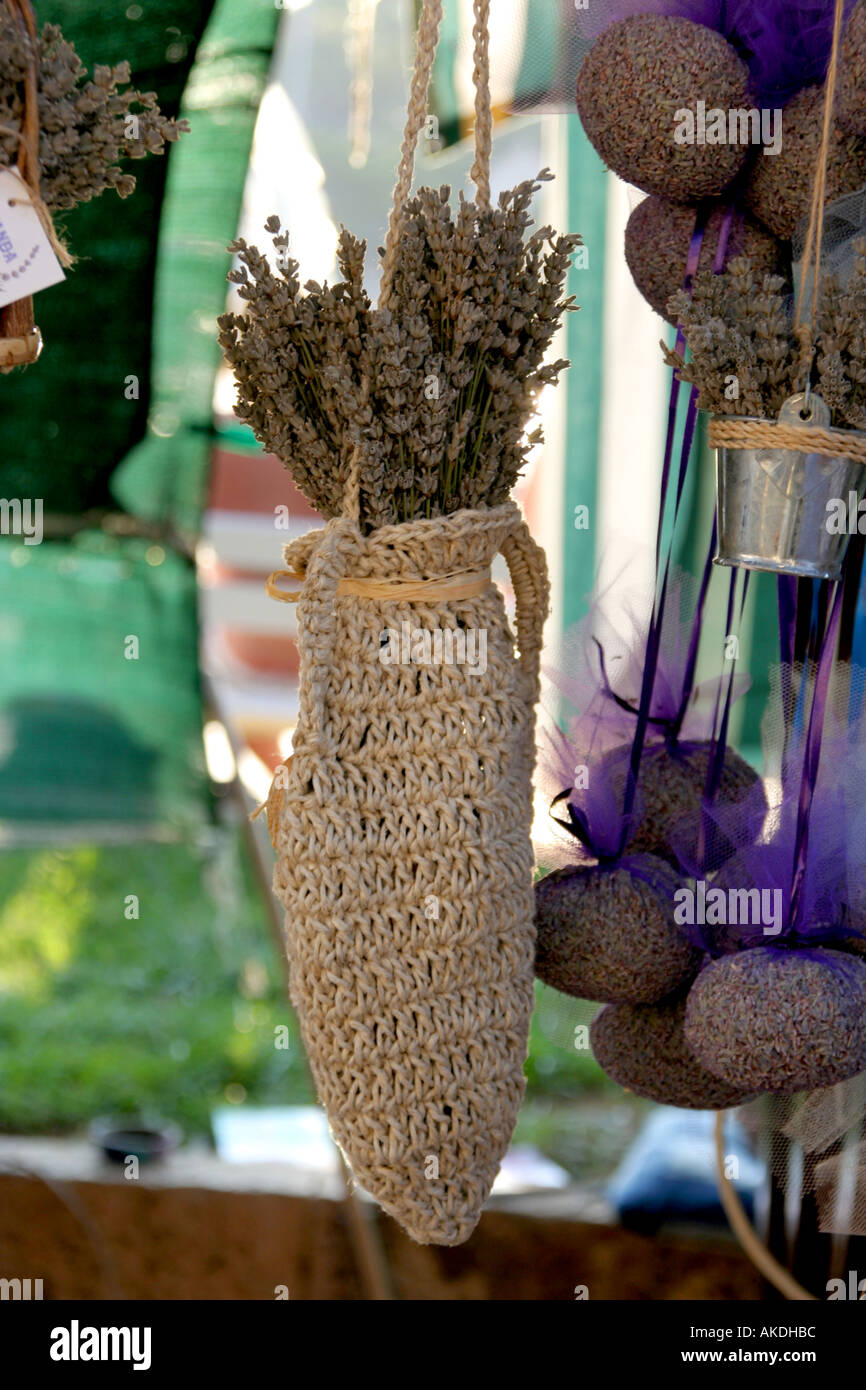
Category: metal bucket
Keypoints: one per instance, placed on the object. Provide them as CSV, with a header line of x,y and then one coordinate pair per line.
x,y
773,503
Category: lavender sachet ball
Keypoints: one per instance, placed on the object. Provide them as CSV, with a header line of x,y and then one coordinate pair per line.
x,y
635,87
670,790
642,1047
608,932
780,1019
779,189
850,110
657,240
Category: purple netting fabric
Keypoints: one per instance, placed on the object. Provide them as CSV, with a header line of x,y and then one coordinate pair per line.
x,y
600,682
789,41
785,43
738,853
594,813
602,670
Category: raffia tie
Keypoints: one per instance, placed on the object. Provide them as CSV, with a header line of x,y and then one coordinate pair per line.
x,y
459,584
771,434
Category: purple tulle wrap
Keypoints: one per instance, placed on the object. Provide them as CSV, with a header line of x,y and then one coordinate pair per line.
x,y
832,895
785,43
600,682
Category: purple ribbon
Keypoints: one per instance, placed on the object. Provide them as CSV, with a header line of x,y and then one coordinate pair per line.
x,y
655,627
695,638
720,741
787,593
853,572
719,746
812,756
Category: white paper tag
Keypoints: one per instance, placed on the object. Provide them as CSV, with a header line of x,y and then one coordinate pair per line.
x,y
27,262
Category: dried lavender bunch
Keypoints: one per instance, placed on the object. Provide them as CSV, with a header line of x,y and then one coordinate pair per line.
x,y
841,343
437,388
739,326
86,127
739,329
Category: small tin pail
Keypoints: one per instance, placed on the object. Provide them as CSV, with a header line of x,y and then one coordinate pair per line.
x,y
787,510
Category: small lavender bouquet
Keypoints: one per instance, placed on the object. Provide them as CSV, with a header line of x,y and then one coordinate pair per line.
x,y
740,330
65,136
437,388
87,125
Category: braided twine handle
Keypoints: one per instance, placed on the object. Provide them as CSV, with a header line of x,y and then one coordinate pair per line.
x,y
427,43
528,570
329,561
20,340
429,23
815,233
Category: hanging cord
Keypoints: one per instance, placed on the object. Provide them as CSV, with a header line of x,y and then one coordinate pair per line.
x,y
429,23
427,42
480,173
734,433
352,494
416,116
754,1247
815,233
361,25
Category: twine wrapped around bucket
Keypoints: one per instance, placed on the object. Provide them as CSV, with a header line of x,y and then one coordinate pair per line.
x,y
402,828
735,432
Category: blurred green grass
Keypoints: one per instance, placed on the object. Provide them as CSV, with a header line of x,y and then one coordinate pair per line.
x,y
166,1015
171,1013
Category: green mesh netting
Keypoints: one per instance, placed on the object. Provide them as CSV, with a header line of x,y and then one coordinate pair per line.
x,y
87,734
65,423
99,703
163,478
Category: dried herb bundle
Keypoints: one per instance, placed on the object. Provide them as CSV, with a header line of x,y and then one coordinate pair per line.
x,y
747,357
437,388
85,126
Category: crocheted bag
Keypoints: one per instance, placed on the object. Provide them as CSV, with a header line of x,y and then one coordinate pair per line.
x,y
402,825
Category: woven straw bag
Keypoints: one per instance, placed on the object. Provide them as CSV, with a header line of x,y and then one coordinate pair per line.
x,y
405,863
402,820
402,827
